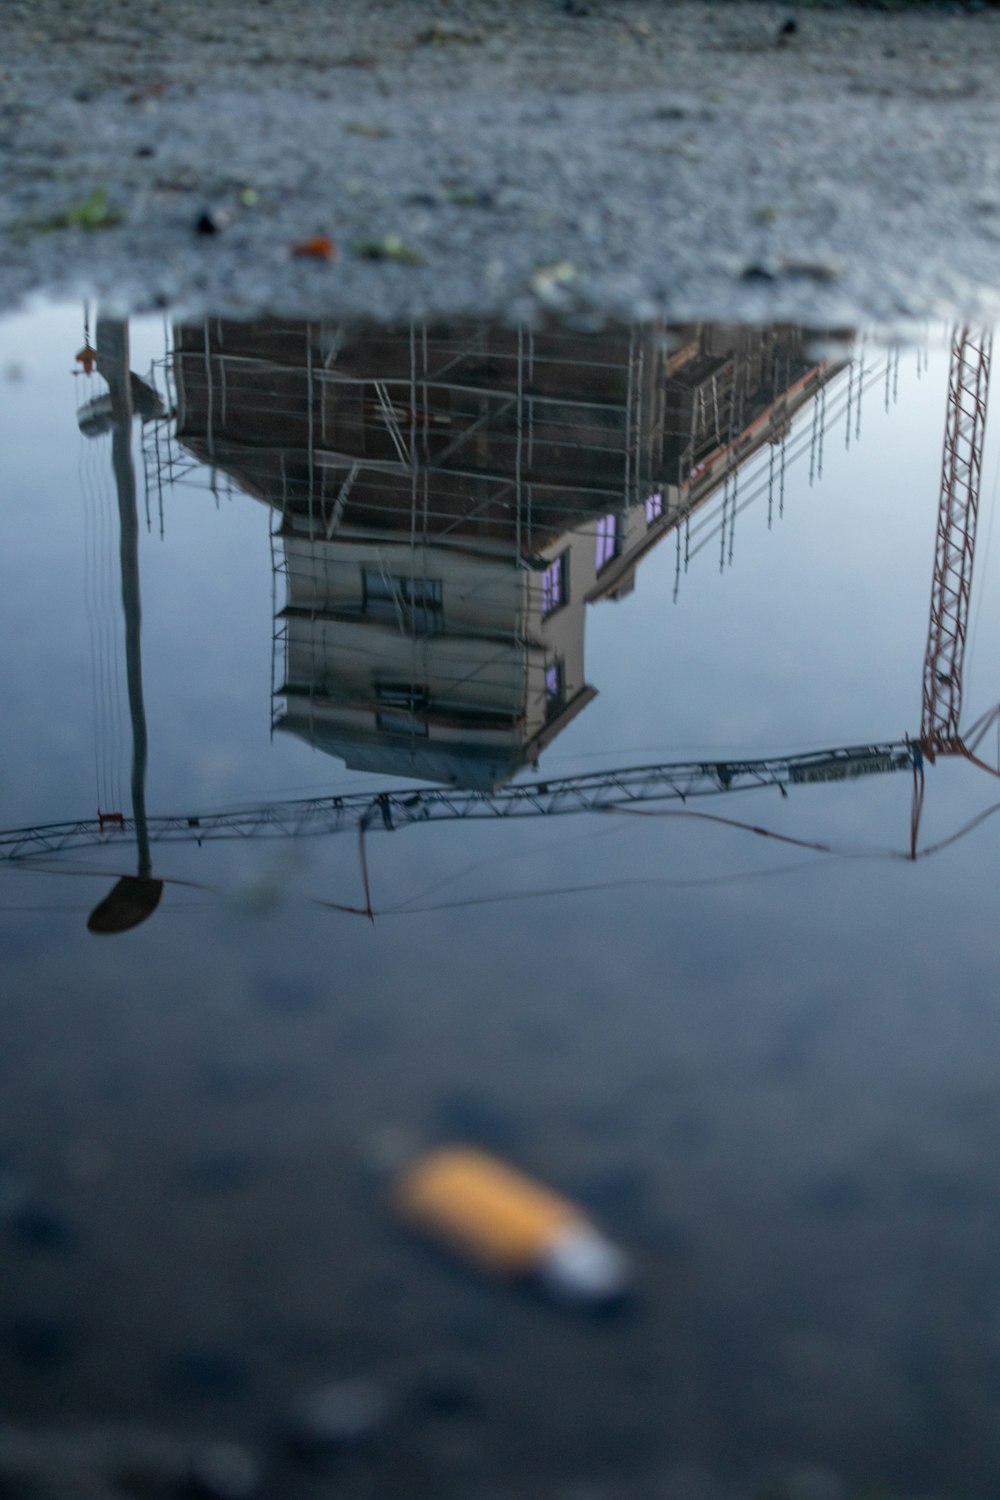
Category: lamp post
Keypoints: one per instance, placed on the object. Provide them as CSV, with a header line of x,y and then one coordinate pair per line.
x,y
134,897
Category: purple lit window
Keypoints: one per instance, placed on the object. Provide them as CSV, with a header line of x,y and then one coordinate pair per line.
x,y
554,585
607,540
654,507
553,688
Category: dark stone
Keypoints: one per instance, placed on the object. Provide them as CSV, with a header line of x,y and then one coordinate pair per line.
x,y
206,223
757,271
145,151
788,28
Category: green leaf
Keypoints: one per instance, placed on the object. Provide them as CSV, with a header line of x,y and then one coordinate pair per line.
x,y
92,212
389,247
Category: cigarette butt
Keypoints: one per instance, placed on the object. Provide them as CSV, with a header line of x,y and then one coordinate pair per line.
x,y
504,1222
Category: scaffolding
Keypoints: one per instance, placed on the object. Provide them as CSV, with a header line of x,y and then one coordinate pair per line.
x,y
485,443
489,443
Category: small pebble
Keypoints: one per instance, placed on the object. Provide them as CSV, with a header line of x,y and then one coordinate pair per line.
x,y
338,1418
759,271
207,223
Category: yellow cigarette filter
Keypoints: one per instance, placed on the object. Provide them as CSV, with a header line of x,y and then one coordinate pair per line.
x,y
504,1222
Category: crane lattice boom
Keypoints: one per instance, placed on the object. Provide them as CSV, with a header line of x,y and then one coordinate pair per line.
x,y
593,792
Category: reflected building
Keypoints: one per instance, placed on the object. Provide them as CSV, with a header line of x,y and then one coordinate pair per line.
x,y
449,499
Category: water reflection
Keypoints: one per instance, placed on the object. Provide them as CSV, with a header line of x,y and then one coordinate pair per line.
x,y
447,502
770,1082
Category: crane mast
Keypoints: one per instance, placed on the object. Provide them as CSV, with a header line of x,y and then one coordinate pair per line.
x,y
954,549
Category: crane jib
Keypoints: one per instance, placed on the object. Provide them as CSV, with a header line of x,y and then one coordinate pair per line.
x,y
590,792
843,768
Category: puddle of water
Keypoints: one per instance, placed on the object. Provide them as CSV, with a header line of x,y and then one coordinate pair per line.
x,y
277,594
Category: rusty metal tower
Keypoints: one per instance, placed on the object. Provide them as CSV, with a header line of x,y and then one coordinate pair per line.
x,y
954,550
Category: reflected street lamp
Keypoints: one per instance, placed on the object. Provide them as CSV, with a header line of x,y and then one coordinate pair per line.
x,y
134,897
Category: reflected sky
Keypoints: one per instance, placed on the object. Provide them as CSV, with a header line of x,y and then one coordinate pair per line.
x,y
768,1071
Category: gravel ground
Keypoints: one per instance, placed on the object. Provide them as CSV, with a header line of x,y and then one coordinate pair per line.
x,y
604,156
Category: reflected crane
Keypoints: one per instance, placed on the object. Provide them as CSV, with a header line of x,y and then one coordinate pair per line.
x,y
594,791
954,559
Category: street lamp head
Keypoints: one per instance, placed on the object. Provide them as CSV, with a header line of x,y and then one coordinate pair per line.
x,y
129,902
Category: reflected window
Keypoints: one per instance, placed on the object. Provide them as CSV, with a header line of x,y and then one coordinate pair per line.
x,y
416,603
405,707
654,507
554,581
607,541
555,688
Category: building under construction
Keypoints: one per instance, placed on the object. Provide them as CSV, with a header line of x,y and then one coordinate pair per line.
x,y
449,498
